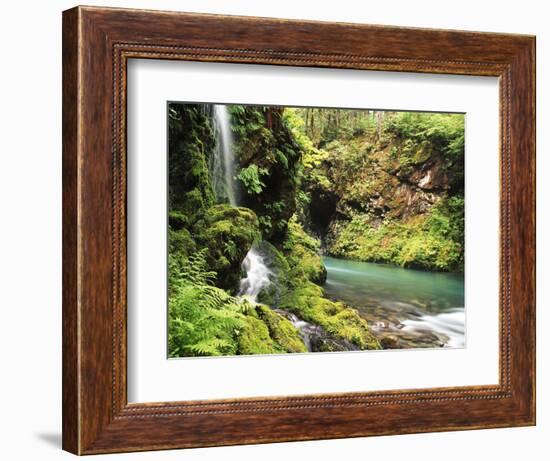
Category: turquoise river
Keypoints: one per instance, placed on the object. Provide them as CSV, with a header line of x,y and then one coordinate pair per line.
x,y
406,308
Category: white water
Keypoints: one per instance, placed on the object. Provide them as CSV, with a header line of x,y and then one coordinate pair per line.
x,y
224,152
450,323
257,275
305,329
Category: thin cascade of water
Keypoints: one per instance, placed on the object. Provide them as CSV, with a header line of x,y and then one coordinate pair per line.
x,y
257,275
306,330
224,160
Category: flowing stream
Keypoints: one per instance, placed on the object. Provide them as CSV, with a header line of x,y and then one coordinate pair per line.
x,y
405,307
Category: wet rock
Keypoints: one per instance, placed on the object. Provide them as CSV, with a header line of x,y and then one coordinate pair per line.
x,y
315,337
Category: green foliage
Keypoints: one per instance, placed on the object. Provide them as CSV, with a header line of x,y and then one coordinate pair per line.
x,y
433,241
246,119
202,319
294,121
444,132
446,219
323,125
251,178
302,253
268,155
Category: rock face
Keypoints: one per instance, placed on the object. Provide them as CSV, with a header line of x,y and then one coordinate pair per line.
x,y
191,143
380,197
269,160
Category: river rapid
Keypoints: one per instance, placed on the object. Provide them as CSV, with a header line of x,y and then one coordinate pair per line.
x,y
405,308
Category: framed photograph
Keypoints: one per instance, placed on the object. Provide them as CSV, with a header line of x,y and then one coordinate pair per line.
x,y
284,230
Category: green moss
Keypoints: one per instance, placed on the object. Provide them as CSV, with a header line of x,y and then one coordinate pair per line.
x,y
228,233
298,262
423,152
253,338
191,143
303,255
281,330
432,241
307,302
180,242
268,157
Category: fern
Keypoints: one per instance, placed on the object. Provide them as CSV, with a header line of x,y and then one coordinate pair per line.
x,y
203,320
251,178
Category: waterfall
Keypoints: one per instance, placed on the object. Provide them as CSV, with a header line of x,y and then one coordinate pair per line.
x,y
257,275
224,161
223,169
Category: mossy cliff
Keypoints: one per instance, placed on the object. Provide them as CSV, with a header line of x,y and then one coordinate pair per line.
x,y
269,165
390,190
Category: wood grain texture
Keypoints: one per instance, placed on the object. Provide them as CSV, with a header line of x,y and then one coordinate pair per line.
x,y
70,383
97,43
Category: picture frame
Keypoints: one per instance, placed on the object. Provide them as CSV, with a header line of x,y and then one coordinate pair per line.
x,y
97,44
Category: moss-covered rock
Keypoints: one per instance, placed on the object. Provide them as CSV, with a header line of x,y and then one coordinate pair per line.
x,y
254,338
228,233
281,330
268,157
191,143
297,261
180,243
267,332
280,274
303,256
308,303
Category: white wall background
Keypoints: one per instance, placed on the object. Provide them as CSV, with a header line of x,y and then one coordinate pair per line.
x,y
30,230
